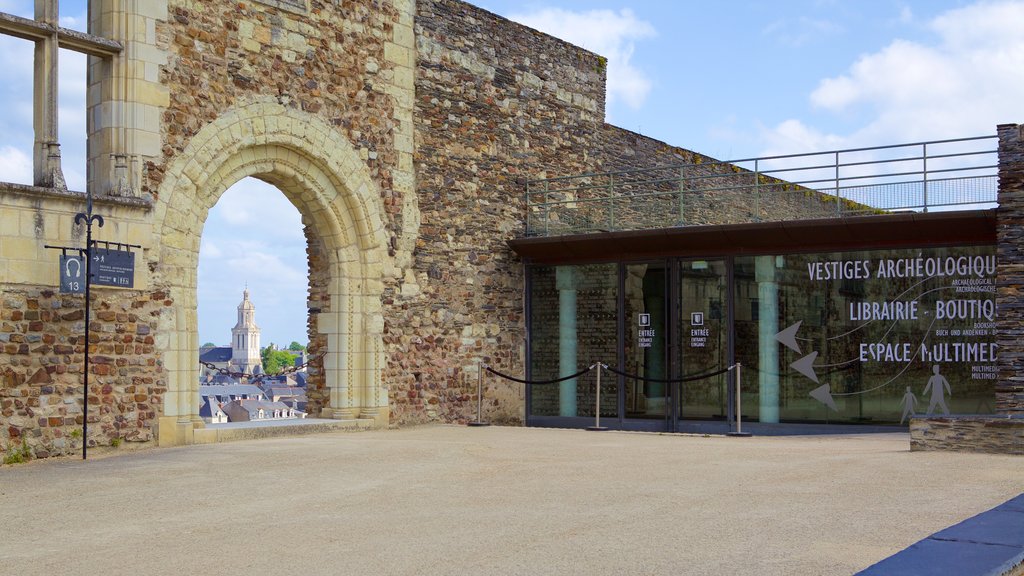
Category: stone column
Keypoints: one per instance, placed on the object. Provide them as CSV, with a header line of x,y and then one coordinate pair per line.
x,y
767,347
1010,270
126,99
565,281
46,156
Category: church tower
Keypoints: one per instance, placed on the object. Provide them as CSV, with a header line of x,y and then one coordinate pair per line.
x,y
245,339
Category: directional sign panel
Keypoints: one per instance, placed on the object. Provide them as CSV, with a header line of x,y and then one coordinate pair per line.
x,y
112,267
72,274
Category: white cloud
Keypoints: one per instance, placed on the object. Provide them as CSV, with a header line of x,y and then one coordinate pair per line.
x,y
963,84
608,33
256,204
253,236
16,57
15,165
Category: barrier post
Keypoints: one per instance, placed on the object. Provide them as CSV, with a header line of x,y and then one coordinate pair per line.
x,y
597,402
739,403
479,396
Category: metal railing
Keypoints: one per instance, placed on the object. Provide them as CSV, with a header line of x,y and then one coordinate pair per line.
x,y
956,174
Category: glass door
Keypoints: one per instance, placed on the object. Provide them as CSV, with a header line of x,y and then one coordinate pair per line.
x,y
646,338
703,328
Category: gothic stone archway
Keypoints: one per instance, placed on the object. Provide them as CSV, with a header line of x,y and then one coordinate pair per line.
x,y
322,175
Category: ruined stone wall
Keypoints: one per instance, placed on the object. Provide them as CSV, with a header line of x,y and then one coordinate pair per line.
x,y
1010,270
43,358
42,332
317,394
495,102
650,184
329,61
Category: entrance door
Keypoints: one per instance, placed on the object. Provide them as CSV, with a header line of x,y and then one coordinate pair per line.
x,y
645,342
703,339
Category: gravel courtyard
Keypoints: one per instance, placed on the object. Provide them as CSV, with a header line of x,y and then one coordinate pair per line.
x,y
457,500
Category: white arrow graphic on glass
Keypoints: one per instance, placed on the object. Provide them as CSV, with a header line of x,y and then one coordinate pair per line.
x,y
805,366
788,337
823,394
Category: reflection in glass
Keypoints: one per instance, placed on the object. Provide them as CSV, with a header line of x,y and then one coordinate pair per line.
x,y
703,331
645,341
574,322
875,329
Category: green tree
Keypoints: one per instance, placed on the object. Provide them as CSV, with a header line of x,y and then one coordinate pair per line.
x,y
296,347
209,345
276,360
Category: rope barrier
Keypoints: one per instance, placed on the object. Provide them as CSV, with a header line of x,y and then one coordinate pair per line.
x,y
537,382
671,381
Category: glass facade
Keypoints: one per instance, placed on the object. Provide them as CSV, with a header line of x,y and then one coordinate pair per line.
x,y
859,337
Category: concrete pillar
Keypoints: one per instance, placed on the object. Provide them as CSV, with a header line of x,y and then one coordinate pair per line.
x,y
565,281
767,347
1010,270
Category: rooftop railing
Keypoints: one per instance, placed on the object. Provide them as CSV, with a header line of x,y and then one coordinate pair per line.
x,y
957,174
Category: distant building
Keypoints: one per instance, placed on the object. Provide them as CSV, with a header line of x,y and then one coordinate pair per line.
x,y
211,411
248,403
245,339
256,410
244,353
214,398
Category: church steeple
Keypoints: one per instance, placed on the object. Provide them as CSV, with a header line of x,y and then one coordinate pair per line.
x,y
245,338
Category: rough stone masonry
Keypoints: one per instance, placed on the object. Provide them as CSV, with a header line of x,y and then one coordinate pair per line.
x,y
402,131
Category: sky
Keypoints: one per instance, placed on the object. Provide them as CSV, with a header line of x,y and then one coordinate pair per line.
x,y
730,79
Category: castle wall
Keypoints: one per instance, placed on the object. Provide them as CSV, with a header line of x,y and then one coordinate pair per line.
x,y
403,132
496,102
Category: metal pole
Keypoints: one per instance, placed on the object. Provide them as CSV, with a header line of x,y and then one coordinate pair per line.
x,y
839,204
924,159
479,397
757,190
739,400
89,219
739,403
597,402
85,388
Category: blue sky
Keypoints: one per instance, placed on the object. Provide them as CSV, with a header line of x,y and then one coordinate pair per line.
x,y
730,79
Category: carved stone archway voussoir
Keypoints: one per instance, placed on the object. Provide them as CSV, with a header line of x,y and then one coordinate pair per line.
x,y
322,175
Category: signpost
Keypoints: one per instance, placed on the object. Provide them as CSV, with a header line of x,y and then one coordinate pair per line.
x,y
80,268
112,267
72,274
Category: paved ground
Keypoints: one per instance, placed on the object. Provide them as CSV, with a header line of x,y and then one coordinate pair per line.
x,y
456,500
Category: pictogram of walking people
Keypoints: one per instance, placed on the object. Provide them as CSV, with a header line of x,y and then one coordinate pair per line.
x,y
909,402
939,387
936,383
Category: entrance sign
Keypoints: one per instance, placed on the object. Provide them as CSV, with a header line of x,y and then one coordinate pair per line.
x,y
113,268
698,334
645,337
72,274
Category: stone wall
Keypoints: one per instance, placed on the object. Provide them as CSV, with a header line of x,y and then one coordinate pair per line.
x,y
42,345
42,332
1010,270
987,434
495,102
650,184
406,144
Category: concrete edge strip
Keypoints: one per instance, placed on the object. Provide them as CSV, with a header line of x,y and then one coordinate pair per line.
x,y
915,560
